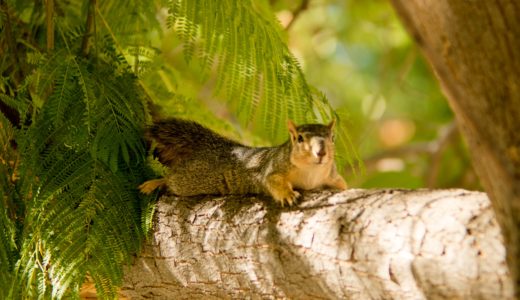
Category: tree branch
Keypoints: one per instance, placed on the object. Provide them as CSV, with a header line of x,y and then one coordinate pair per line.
x,y
359,244
16,67
433,149
89,28
11,42
472,49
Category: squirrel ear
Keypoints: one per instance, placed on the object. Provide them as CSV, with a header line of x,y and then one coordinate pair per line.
x,y
332,124
292,129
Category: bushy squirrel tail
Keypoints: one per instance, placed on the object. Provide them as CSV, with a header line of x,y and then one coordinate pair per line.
x,y
176,139
173,141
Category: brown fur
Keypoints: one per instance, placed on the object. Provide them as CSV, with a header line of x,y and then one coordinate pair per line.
x,y
203,162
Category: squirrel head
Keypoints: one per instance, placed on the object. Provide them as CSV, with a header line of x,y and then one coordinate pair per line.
x,y
312,144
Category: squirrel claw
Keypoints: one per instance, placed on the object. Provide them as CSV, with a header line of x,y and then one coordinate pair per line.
x,y
289,198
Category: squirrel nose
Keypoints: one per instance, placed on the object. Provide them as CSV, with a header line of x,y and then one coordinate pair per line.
x,y
322,152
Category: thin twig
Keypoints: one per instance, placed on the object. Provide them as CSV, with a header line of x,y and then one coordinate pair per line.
x,y
49,7
433,150
411,150
446,136
303,6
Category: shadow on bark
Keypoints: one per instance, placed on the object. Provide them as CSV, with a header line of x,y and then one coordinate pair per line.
x,y
358,244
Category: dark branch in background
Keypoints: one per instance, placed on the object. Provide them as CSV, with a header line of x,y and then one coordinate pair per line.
x,y
49,8
36,12
434,149
404,151
89,28
303,6
446,136
11,114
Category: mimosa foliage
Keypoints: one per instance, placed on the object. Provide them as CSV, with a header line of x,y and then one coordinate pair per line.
x,y
73,109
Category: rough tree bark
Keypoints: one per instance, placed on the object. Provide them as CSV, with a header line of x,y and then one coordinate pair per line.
x,y
474,49
358,244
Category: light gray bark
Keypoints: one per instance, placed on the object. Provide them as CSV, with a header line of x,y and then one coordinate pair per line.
x,y
358,244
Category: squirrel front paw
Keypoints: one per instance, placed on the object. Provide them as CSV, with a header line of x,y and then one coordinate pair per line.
x,y
281,190
288,196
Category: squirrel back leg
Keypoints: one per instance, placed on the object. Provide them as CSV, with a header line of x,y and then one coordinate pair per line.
x,y
337,182
149,186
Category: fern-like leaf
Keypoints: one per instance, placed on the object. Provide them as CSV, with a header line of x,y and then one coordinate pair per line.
x,y
256,70
84,216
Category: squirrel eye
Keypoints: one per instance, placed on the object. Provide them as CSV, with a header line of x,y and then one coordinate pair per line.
x,y
300,138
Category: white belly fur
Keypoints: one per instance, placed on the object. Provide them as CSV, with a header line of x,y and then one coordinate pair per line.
x,y
310,178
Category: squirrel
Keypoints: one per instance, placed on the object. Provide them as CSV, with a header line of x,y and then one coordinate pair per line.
x,y
200,161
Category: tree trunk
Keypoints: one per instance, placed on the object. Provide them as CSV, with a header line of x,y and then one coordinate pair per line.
x,y
359,244
474,49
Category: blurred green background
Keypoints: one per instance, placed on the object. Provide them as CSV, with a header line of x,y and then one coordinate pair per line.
x,y
359,55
